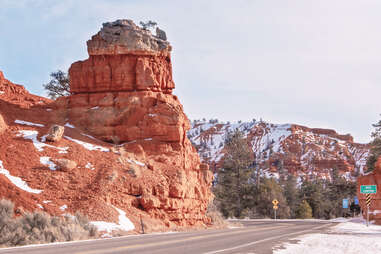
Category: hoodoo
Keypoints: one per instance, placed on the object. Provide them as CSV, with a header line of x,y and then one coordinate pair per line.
x,y
123,94
123,91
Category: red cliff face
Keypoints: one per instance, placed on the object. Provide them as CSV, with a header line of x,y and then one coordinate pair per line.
x,y
373,178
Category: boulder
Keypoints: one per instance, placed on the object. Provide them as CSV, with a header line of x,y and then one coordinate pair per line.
x,y
55,133
65,164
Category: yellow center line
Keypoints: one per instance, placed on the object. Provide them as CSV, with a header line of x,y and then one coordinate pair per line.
x,y
135,246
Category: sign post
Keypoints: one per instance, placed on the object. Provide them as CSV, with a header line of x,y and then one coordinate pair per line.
x,y
367,200
367,190
275,207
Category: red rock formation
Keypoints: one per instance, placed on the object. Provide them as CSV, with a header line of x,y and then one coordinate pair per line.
x,y
155,174
297,149
373,178
123,57
122,93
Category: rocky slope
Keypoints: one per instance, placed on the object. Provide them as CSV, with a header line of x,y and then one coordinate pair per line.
x,y
124,140
288,148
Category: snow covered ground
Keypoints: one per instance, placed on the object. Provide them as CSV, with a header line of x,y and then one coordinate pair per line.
x,y
124,223
350,236
32,135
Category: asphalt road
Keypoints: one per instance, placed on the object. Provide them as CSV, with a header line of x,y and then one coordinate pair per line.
x,y
254,237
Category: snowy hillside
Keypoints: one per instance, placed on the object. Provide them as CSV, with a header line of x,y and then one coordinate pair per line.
x,y
297,149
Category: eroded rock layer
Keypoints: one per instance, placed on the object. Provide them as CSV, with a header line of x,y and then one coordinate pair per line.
x,y
123,57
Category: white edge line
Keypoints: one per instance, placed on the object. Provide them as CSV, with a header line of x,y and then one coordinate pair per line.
x,y
263,240
88,240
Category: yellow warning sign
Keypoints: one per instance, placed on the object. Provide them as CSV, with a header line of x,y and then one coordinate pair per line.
x,y
275,207
275,202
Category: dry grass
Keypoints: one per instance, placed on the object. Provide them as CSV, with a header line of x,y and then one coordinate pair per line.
x,y
215,215
39,227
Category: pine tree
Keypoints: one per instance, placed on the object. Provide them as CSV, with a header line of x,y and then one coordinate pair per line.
x,y
304,210
59,85
375,146
233,186
314,193
268,191
291,194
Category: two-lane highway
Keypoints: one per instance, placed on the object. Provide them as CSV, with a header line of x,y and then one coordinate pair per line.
x,y
254,237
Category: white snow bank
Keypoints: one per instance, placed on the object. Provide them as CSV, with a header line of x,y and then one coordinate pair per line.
x,y
124,223
331,243
69,125
349,237
32,135
17,180
88,146
357,227
28,123
47,162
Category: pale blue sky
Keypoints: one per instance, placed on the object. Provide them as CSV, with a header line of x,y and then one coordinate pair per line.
x,y
314,63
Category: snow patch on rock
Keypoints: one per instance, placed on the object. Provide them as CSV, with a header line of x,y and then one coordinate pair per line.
x,y
44,160
17,180
89,166
32,135
69,125
29,123
136,162
88,146
63,208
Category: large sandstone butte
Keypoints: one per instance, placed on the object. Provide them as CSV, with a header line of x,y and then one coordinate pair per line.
x,y
373,178
121,94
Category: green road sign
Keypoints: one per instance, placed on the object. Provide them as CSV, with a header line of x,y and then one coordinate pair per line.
x,y
371,189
